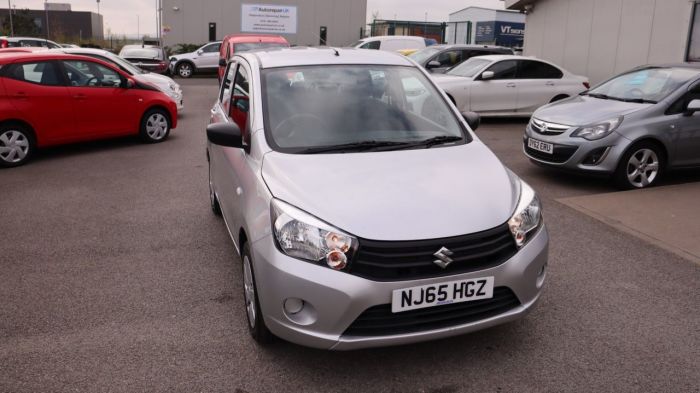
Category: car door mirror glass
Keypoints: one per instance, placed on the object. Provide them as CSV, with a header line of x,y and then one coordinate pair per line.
x,y
130,84
225,134
486,75
433,64
199,52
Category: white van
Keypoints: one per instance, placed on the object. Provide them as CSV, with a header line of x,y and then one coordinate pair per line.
x,y
391,43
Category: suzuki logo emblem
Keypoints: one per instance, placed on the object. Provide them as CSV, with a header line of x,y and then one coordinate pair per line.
x,y
443,257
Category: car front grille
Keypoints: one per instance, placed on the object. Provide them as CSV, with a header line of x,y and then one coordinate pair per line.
x,y
546,128
380,321
406,260
560,154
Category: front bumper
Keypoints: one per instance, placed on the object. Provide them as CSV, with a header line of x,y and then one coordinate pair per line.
x,y
572,153
334,299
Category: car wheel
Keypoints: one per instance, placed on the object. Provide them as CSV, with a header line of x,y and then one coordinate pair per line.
x,y
215,207
640,167
256,323
17,145
155,126
185,70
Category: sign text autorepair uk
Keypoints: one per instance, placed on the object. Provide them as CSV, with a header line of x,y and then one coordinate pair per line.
x,y
263,18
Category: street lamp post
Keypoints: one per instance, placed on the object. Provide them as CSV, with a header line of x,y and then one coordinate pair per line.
x,y
46,9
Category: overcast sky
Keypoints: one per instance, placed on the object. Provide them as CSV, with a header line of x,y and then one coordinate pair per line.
x,y
120,15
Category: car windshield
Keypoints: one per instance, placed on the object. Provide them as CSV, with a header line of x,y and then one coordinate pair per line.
x,y
142,53
648,85
469,68
124,65
424,54
313,108
246,46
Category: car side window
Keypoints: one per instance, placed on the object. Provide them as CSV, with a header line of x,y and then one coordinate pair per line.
x,y
506,69
530,69
228,51
681,104
211,48
226,86
88,74
42,73
371,45
240,99
449,58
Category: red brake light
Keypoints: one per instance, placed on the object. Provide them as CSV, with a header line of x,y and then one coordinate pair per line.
x,y
587,85
3,44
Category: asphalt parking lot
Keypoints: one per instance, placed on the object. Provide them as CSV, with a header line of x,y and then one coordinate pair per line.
x,y
117,277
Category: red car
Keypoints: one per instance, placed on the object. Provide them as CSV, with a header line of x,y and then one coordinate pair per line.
x,y
50,99
236,43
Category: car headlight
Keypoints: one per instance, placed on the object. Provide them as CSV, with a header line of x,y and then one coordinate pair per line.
x,y
599,130
527,216
173,86
303,236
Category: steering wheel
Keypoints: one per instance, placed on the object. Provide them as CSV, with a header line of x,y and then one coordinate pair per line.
x,y
301,122
87,83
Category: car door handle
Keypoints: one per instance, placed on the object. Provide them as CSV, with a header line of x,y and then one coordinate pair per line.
x,y
80,96
20,95
550,83
510,85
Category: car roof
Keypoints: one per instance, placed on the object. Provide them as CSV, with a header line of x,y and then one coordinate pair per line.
x,y
93,51
695,66
6,58
242,38
300,56
385,37
468,46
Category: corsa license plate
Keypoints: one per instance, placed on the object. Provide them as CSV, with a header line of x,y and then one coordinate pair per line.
x,y
441,293
544,147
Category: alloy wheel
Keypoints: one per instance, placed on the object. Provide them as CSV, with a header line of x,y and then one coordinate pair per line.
x,y
14,146
184,70
643,168
157,126
249,291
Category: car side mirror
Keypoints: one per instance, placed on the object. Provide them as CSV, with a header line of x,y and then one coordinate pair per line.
x,y
225,134
486,75
199,52
130,84
433,64
693,106
222,62
473,119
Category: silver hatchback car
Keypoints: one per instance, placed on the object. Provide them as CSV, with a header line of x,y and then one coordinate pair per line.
x,y
365,210
632,127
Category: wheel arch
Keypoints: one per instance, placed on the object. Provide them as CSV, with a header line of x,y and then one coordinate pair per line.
x,y
23,124
559,97
189,61
655,141
242,239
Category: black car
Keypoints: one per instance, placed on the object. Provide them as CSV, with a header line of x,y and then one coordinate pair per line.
x,y
440,58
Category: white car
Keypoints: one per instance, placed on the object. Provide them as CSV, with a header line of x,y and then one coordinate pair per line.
x,y
166,84
391,43
204,59
506,85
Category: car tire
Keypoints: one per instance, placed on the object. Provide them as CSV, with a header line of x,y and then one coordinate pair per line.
x,y
155,126
640,167
214,201
17,145
256,322
184,70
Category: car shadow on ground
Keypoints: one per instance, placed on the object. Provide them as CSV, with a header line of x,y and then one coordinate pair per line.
x,y
84,148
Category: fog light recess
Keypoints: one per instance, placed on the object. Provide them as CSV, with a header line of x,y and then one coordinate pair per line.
x,y
299,311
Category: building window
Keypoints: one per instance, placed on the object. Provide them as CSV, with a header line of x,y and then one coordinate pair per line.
x,y
694,41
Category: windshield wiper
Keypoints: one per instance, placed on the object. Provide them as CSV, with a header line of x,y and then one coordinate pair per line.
x,y
596,95
437,140
354,146
637,100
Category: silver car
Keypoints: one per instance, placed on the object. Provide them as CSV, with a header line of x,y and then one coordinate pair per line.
x,y
632,127
360,220
204,59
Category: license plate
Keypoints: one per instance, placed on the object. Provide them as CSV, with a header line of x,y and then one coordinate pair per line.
x,y
441,293
544,147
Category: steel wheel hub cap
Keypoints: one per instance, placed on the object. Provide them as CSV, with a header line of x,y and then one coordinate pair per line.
x,y
156,126
249,291
185,70
643,168
14,146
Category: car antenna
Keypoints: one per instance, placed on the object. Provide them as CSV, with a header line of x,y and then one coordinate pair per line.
x,y
335,50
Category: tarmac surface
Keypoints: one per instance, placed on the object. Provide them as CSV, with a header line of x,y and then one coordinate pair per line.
x,y
116,276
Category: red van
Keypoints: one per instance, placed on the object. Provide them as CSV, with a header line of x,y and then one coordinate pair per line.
x,y
236,43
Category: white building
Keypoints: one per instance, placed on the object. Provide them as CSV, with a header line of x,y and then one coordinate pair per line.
x,y
462,25
600,38
301,22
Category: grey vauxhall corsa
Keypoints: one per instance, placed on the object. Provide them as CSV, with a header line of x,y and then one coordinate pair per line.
x,y
632,127
365,210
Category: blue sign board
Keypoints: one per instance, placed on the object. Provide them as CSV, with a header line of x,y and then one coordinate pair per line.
x,y
509,34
